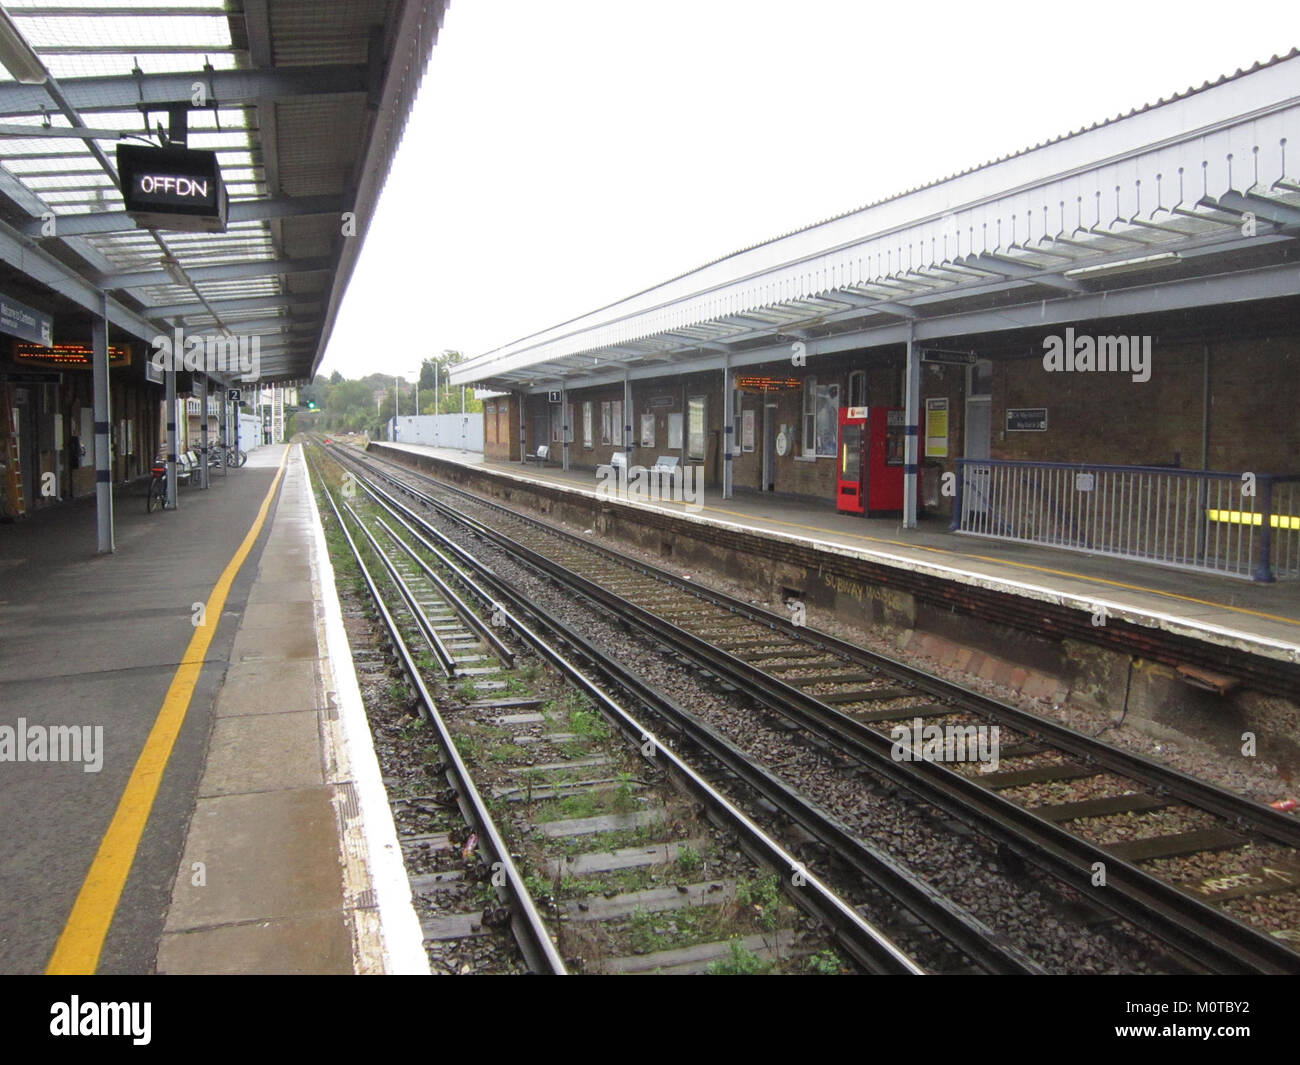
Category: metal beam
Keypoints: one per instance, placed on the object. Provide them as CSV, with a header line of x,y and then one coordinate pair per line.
x,y
1023,271
1260,206
226,272
240,211
247,303
229,88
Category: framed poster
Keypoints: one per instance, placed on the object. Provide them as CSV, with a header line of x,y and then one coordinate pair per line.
x,y
747,430
936,428
675,431
647,430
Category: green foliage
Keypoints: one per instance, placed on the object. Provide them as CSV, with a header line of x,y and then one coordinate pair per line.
x,y
742,962
764,896
824,963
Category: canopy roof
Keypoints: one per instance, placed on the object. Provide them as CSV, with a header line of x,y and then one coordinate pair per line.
x,y
1187,202
304,103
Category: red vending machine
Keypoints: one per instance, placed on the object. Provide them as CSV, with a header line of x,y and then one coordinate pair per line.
x,y
850,482
870,476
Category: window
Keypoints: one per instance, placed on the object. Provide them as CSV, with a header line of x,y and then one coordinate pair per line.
x,y
616,423
980,382
821,406
586,424
857,389
695,428
555,423
604,423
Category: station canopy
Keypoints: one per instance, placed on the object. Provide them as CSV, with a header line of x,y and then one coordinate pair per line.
x,y
304,104
1188,202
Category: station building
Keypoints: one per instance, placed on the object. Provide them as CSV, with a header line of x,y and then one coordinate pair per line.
x,y
1124,298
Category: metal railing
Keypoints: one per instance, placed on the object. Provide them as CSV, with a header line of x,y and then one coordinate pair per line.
x,y
1237,524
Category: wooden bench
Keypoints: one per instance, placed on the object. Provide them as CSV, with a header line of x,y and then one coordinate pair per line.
x,y
540,456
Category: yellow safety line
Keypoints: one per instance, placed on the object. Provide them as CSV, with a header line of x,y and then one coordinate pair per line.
x,y
82,939
985,558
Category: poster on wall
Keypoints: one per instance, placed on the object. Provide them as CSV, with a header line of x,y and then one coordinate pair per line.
x,y
647,430
747,431
675,431
936,428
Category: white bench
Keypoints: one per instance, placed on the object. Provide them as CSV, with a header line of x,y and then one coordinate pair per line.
x,y
540,456
666,464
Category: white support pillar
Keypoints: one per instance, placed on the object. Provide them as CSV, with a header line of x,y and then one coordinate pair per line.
x,y
464,425
564,425
728,426
912,423
522,397
103,423
172,493
627,416
203,429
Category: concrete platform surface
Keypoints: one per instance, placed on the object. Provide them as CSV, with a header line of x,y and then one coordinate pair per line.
x,y
1257,617
236,822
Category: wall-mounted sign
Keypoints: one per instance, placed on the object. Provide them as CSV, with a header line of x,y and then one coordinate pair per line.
x,y
752,383
936,428
66,356
553,396
25,323
856,412
662,401
173,188
1026,419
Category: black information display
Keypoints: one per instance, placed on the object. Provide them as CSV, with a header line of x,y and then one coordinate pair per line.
x,y
173,188
1027,419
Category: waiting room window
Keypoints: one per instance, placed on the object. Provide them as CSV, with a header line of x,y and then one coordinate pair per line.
x,y
857,389
695,429
604,423
821,412
586,424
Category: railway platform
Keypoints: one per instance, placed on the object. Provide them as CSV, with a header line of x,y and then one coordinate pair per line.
x,y
197,792
1260,619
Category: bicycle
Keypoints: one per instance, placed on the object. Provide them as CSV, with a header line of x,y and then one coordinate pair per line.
x,y
157,487
229,456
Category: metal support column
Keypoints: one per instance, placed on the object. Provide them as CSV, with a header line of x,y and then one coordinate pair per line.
x,y
463,422
172,492
203,430
235,414
728,424
564,425
627,416
103,422
520,396
912,421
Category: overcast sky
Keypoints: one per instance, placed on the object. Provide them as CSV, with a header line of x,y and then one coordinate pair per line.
x,y
564,154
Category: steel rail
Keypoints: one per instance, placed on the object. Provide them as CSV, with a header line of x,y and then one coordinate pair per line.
x,y
983,945
1209,936
872,948
526,923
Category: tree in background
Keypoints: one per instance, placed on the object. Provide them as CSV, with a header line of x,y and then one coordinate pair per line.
x,y
434,371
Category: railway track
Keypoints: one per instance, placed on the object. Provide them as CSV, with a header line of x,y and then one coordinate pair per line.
x,y
1174,856
646,870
